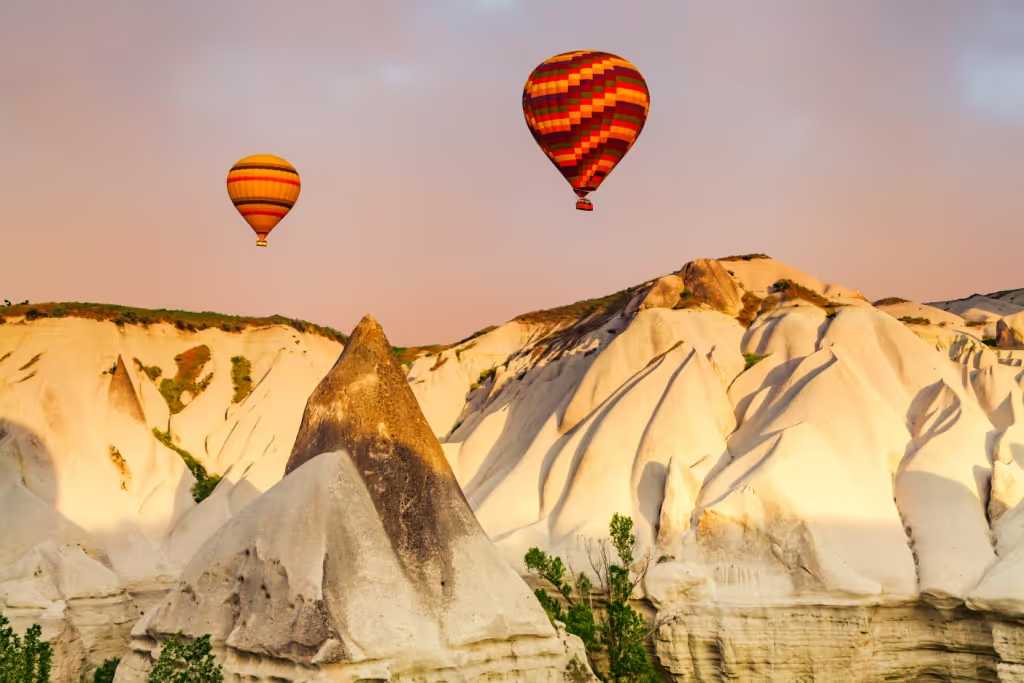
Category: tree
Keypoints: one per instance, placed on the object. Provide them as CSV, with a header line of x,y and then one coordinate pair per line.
x,y
617,637
186,661
105,672
25,660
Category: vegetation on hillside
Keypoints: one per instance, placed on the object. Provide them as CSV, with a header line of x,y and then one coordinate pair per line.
x,y
24,659
153,372
751,359
914,320
579,310
205,482
890,301
615,633
189,363
183,320
186,661
106,671
241,378
744,257
485,376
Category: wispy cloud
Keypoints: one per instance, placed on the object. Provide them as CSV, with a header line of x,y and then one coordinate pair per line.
x,y
994,85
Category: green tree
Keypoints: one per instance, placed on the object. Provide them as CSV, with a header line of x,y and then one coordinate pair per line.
x,y
105,672
617,637
23,660
186,661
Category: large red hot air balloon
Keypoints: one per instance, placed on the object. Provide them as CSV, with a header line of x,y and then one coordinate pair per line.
x,y
585,110
263,188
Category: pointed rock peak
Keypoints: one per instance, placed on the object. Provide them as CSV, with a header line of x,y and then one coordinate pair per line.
x,y
365,408
365,404
121,393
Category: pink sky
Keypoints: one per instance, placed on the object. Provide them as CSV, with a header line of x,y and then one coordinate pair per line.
x,y
876,144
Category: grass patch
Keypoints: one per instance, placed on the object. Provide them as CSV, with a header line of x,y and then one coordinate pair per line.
x,y
751,359
241,378
205,482
745,257
484,377
151,371
441,360
189,321
187,378
890,301
990,342
789,290
579,310
914,320
32,361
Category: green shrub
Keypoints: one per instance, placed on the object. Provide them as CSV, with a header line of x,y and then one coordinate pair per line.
x,y
205,482
484,377
914,320
241,377
751,359
153,372
105,672
23,660
186,661
616,638
187,378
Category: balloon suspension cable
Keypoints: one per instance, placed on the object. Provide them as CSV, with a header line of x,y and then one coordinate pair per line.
x,y
584,204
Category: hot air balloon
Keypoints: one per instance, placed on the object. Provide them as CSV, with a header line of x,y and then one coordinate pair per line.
x,y
585,110
263,188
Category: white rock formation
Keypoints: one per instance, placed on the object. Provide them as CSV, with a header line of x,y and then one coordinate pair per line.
x,y
847,461
80,466
795,455
364,562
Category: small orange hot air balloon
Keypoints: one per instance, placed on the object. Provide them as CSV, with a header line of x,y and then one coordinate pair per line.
x,y
263,188
585,110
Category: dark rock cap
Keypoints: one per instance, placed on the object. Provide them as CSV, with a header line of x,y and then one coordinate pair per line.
x,y
365,407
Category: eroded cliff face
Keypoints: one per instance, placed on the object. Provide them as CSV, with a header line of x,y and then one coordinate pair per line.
x,y
101,509
807,454
841,642
784,446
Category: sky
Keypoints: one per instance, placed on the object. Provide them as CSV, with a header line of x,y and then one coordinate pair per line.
x,y
875,144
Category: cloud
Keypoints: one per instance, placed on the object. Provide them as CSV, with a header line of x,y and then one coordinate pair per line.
x,y
993,85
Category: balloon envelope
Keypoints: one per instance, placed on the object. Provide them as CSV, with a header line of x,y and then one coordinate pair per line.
x,y
585,110
264,189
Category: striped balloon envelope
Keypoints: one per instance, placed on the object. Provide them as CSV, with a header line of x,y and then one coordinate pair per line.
x,y
264,189
585,110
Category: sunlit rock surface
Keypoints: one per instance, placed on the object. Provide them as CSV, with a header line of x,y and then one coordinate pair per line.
x,y
364,562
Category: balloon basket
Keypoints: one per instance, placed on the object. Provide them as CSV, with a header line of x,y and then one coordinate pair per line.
x,y
261,241
584,204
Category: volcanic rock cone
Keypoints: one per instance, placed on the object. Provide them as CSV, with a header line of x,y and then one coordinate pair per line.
x,y
363,562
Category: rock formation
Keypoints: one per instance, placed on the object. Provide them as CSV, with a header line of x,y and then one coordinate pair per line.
x,y
364,562
91,490
809,468
829,463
